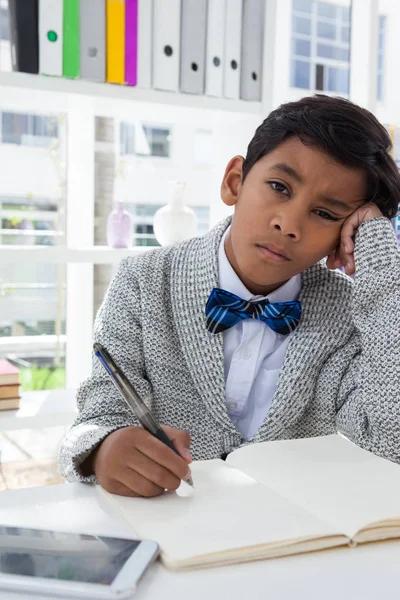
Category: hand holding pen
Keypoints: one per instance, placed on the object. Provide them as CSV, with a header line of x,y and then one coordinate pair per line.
x,y
135,461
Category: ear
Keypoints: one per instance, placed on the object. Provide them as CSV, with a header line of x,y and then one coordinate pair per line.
x,y
232,181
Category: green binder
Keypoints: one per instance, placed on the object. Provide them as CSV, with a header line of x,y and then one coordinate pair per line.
x,y
71,39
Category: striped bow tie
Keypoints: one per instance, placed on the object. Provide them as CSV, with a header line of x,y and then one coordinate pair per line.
x,y
224,310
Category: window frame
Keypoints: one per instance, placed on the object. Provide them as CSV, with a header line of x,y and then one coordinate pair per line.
x,y
153,125
79,253
314,60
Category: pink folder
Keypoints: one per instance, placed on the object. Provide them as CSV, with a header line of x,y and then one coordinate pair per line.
x,y
131,38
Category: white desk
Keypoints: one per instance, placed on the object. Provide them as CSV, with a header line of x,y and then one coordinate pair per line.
x,y
45,408
369,572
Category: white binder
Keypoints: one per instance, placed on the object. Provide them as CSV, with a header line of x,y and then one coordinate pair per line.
x,y
166,44
233,36
145,43
50,37
193,46
252,49
215,48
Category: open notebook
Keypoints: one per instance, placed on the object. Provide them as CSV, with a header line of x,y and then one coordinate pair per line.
x,y
271,499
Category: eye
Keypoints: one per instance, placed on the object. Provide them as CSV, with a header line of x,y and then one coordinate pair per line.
x,y
279,187
325,215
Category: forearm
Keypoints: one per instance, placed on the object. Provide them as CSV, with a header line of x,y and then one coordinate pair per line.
x,y
370,400
82,440
101,408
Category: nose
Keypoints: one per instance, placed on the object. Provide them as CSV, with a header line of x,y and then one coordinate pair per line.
x,y
288,223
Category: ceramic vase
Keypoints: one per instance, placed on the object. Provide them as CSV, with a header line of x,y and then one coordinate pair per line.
x,y
175,222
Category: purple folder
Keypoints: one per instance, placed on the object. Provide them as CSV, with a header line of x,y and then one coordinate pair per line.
x,y
131,38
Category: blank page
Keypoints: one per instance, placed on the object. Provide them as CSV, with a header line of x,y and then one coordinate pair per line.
x,y
329,476
226,510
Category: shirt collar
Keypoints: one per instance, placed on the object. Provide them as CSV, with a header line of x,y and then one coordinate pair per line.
x,y
229,281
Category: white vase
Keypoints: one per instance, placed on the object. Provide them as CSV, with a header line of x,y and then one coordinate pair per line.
x,y
175,222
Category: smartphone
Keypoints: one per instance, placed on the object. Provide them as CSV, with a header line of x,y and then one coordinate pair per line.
x,y
72,565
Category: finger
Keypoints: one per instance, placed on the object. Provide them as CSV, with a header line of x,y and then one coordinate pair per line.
x,y
348,261
164,456
138,484
347,245
348,231
350,267
346,241
181,441
335,260
335,264
116,487
154,472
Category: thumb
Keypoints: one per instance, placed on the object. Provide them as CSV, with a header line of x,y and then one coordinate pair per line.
x,y
181,441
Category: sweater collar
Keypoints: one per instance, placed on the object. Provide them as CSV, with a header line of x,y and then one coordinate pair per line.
x,y
194,272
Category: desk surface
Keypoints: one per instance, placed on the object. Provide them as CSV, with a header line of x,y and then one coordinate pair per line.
x,y
365,573
44,408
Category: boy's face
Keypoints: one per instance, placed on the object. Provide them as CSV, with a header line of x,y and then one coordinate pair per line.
x,y
288,212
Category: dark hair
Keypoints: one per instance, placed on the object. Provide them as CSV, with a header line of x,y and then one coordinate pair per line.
x,y
345,131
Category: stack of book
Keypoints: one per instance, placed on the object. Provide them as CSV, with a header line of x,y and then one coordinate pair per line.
x,y
9,385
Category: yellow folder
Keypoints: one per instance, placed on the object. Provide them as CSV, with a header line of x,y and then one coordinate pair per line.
x,y
115,41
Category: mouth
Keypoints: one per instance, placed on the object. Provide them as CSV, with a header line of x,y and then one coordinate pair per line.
x,y
272,252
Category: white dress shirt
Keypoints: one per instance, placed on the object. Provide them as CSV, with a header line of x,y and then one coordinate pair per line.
x,y
253,353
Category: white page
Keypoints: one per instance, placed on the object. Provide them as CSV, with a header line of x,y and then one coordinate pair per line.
x,y
329,476
227,509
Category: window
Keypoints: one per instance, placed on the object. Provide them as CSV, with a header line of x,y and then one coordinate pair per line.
x,y
302,48
301,26
338,80
127,138
381,55
158,140
5,44
4,25
301,74
144,235
320,46
28,130
327,10
145,140
33,221
32,322
130,167
329,51
303,6
32,212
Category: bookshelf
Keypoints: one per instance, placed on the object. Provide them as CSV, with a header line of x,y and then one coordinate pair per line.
x,y
95,255
109,91
232,121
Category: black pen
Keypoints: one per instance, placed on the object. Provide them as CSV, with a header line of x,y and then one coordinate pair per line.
x,y
133,400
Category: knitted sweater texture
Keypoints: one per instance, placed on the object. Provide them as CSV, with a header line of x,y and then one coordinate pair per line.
x,y
340,371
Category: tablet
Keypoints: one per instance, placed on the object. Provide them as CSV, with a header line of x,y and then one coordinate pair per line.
x,y
72,565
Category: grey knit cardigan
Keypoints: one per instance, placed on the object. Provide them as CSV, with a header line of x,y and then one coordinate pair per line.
x,y
341,370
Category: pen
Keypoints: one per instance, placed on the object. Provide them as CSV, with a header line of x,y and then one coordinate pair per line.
x,y
133,400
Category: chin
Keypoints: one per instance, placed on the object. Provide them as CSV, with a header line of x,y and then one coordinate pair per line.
x,y
266,277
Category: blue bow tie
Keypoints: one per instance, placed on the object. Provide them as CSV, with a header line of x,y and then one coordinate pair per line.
x,y
224,310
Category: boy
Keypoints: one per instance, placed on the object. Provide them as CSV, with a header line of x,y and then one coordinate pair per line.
x,y
288,348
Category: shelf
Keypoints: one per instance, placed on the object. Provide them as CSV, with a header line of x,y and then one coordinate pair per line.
x,y
101,255
127,93
39,409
